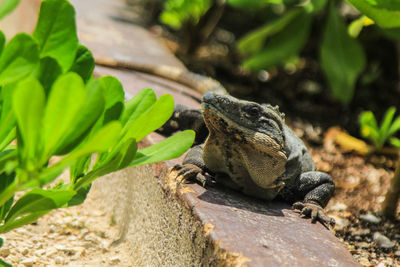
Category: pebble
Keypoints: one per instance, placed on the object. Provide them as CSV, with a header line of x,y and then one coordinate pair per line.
x,y
59,260
28,261
115,260
370,218
382,241
4,252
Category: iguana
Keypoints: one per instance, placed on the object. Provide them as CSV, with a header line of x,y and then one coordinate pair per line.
x,y
248,147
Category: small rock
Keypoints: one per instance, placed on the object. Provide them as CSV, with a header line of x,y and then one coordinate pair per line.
x,y
382,241
24,251
364,245
341,222
4,252
59,260
338,206
370,218
28,261
115,260
361,232
39,252
364,261
51,251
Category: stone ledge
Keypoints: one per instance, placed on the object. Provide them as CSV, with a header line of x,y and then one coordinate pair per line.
x,y
164,224
187,225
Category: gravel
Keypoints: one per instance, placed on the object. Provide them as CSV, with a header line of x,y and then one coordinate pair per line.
x,y
76,236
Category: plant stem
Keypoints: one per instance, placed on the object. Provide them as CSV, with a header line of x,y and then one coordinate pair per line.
x,y
392,196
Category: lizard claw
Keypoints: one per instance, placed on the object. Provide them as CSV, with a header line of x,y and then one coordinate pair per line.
x,y
191,172
315,212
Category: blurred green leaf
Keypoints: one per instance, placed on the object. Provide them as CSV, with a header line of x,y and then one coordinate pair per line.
x,y
4,264
254,41
66,100
7,6
80,196
385,13
387,122
28,105
7,117
356,26
137,106
84,121
176,13
83,63
5,181
342,57
152,119
18,59
172,147
395,142
114,96
56,32
285,44
38,200
47,72
253,4
2,41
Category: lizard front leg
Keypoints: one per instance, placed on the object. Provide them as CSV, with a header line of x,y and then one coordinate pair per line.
x,y
315,188
193,167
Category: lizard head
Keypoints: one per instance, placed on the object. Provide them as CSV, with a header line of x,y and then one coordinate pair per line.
x,y
244,121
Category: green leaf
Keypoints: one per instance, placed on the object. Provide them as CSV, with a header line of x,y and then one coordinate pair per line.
x,y
114,96
395,126
395,142
137,106
7,6
28,105
342,57
172,147
7,117
80,196
38,200
254,41
56,32
152,119
284,45
369,127
85,120
2,41
47,72
66,100
385,13
84,63
18,59
4,264
5,181
30,218
80,167
385,126
356,26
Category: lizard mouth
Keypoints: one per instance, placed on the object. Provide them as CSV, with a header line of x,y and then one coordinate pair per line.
x,y
221,120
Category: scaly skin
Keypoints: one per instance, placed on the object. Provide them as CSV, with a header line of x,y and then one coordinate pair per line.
x,y
248,148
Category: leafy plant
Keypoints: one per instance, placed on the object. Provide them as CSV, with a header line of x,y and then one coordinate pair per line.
x,y
51,105
379,135
287,29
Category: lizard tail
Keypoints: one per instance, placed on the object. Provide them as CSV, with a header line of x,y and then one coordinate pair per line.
x,y
199,83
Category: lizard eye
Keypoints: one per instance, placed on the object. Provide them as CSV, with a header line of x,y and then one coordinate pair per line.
x,y
253,111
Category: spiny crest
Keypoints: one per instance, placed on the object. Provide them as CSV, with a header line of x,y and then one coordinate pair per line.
x,y
275,109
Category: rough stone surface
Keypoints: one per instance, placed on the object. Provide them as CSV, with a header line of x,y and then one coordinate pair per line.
x,y
171,224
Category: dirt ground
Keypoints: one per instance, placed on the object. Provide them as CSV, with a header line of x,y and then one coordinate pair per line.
x,y
76,236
